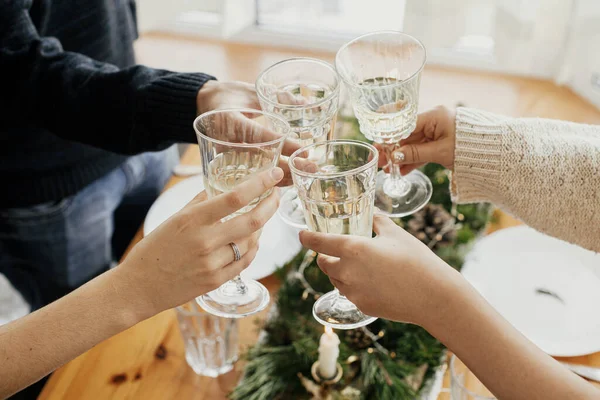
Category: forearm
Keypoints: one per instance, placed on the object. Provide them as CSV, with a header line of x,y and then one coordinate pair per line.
x,y
123,110
37,344
508,364
544,172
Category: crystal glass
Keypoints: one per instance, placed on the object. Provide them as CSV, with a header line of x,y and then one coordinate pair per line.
x,y
337,187
382,71
235,145
464,385
305,92
211,342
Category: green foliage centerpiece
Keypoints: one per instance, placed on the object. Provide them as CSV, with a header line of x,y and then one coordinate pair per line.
x,y
385,360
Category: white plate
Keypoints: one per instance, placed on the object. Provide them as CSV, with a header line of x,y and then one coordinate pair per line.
x,y
278,243
547,288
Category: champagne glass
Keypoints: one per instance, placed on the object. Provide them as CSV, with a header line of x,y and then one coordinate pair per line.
x,y
337,188
305,92
236,144
382,71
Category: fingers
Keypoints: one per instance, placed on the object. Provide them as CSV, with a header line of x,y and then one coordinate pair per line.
x,y
289,146
227,203
418,153
287,174
225,254
305,165
383,225
382,162
200,197
326,243
254,132
426,122
235,268
327,263
250,222
407,169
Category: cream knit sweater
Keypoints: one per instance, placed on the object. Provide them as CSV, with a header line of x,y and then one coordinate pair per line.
x,y
544,172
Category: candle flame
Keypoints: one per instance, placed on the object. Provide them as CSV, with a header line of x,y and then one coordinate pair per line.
x,y
328,330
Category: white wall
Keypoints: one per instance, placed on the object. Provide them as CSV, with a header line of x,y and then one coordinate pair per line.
x,y
581,64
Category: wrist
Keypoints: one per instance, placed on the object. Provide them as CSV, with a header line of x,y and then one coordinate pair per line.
x,y
446,300
205,96
130,288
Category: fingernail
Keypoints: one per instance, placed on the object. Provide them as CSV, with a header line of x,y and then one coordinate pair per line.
x,y
277,174
399,156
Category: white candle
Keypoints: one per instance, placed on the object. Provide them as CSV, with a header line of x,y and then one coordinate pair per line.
x,y
329,351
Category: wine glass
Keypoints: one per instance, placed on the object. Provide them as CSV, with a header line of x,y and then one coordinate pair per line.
x,y
337,188
382,71
305,92
236,144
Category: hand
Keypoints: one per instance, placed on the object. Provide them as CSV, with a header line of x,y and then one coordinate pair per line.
x,y
392,276
433,140
216,95
190,255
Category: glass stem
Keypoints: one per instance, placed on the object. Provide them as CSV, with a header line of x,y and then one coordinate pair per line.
x,y
240,285
395,185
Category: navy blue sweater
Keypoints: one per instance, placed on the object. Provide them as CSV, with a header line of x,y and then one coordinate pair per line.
x,y
72,102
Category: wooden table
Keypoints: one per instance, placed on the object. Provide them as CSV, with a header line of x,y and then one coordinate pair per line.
x,y
147,361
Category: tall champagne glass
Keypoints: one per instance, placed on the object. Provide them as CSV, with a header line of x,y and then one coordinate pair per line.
x,y
382,71
235,145
337,187
305,92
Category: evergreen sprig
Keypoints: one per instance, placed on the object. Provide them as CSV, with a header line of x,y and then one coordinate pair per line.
x,y
290,344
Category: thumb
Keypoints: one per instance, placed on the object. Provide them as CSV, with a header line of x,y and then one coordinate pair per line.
x,y
418,153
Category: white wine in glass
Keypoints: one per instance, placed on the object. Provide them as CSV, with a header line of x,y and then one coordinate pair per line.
x,y
382,71
235,145
337,187
305,92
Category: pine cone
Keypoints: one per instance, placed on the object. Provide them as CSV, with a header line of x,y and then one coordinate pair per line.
x,y
357,339
432,224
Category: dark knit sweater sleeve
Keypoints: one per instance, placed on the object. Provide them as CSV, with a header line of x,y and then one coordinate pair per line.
x,y
123,110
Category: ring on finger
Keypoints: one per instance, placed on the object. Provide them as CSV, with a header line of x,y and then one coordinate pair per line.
x,y
237,256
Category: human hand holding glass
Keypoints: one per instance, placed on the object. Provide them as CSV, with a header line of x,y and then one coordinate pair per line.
x,y
305,92
235,145
433,140
336,187
382,71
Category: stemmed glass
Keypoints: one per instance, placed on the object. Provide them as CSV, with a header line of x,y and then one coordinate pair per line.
x,y
305,92
382,71
337,188
236,144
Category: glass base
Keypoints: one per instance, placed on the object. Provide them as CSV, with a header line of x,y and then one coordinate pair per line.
x,y
406,198
336,311
210,372
290,209
227,302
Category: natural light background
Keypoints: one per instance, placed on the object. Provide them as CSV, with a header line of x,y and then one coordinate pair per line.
x,y
550,39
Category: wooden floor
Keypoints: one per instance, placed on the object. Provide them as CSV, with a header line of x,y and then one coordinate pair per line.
x,y
509,95
128,365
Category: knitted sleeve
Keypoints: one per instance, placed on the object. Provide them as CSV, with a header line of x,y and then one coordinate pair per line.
x,y
544,172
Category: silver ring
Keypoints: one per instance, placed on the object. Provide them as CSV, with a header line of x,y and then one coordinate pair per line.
x,y
237,256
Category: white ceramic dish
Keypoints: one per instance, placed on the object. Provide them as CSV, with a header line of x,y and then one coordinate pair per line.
x,y
547,288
